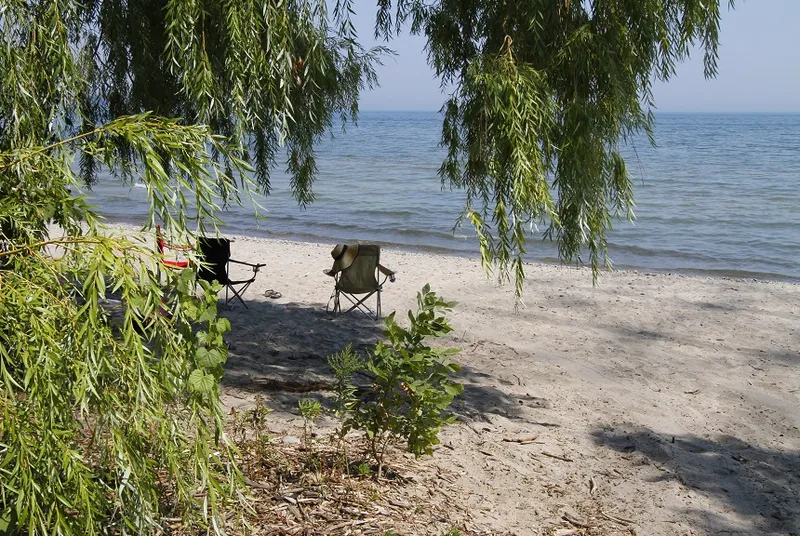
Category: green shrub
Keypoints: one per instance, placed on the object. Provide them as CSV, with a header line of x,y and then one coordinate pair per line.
x,y
109,406
310,410
344,365
412,386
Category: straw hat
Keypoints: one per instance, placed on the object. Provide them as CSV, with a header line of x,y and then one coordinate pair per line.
x,y
343,256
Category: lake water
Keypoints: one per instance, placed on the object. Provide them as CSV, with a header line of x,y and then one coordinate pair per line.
x,y
720,195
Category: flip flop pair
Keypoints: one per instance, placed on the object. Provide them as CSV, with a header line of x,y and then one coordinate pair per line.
x,y
274,294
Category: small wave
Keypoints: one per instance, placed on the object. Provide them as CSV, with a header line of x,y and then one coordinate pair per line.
x,y
657,252
379,212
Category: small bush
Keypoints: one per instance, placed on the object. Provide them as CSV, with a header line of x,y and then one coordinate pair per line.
x,y
412,386
344,365
310,410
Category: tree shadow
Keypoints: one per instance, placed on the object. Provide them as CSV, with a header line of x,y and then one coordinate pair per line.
x,y
761,486
785,358
281,349
290,341
481,399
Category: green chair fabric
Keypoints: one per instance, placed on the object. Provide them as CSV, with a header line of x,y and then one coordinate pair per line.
x,y
363,278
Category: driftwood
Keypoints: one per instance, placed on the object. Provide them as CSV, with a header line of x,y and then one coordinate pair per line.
x,y
556,456
525,440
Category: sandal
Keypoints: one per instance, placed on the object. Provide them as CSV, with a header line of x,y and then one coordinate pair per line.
x,y
269,293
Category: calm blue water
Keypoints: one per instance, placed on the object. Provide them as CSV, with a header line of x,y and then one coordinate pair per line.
x,y
720,195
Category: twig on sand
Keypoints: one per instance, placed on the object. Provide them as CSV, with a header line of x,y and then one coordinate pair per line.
x,y
254,484
467,421
592,486
616,519
399,504
574,521
566,532
556,456
521,440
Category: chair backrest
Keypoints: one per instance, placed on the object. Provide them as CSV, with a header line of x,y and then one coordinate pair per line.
x,y
161,244
361,276
214,256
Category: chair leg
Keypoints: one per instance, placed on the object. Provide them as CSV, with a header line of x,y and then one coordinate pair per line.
x,y
360,305
378,308
236,294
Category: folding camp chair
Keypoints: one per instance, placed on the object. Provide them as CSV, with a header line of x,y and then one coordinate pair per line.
x,y
162,245
357,271
215,259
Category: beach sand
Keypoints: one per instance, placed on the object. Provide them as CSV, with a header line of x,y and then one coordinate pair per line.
x,y
669,401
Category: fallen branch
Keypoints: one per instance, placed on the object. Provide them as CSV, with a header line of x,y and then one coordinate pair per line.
x,y
556,456
467,422
521,440
399,504
254,484
577,522
615,519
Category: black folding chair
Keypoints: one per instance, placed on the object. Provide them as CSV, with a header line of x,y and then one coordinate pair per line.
x,y
357,271
215,259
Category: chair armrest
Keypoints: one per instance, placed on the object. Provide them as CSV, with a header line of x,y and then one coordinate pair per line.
x,y
256,266
168,245
388,272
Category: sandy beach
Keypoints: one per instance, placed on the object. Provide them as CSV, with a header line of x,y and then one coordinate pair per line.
x,y
655,403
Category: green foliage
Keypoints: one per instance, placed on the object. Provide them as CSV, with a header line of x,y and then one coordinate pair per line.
x,y
412,386
310,410
543,93
364,469
109,384
344,365
250,431
108,395
266,75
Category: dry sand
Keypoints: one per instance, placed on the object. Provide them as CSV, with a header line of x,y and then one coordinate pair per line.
x,y
668,401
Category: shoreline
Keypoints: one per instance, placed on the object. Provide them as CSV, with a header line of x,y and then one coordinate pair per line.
x,y
728,275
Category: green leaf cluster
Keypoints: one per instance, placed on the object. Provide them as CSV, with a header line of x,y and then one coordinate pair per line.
x,y
108,391
109,366
310,410
269,76
412,386
344,364
543,95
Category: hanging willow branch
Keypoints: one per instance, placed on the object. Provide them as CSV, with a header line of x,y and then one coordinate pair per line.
x,y
110,416
544,92
266,75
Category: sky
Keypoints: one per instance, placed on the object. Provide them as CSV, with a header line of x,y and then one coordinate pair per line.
x,y
759,66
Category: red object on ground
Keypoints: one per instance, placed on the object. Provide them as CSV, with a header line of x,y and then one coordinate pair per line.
x,y
163,245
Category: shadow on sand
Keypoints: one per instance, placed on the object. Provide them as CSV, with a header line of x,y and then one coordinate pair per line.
x,y
280,350
761,486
